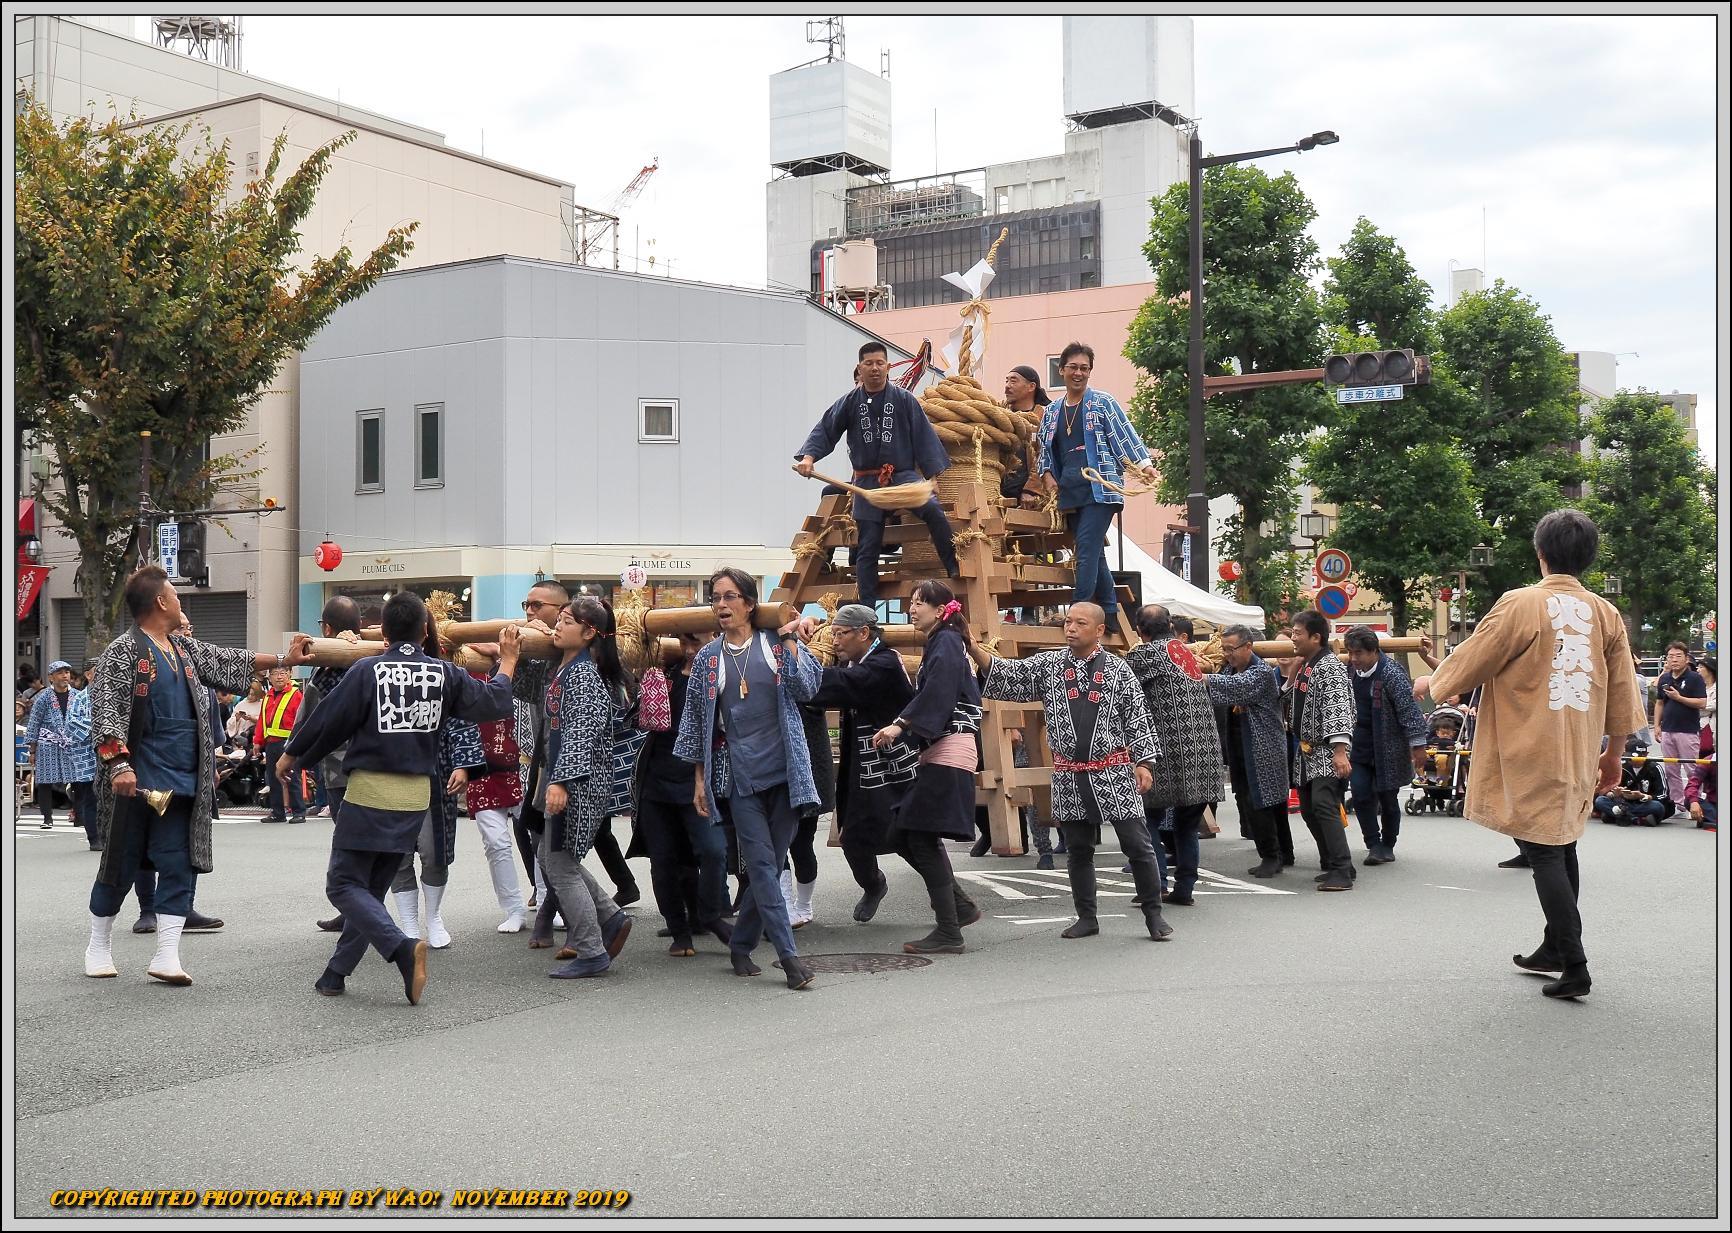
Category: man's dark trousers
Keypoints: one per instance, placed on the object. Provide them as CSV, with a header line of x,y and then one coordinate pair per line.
x,y
1558,882
1320,803
871,543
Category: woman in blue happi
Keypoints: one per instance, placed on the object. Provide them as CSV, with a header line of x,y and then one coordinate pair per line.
x,y
890,441
575,790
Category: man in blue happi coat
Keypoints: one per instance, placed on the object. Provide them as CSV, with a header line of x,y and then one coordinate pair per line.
x,y
890,441
388,709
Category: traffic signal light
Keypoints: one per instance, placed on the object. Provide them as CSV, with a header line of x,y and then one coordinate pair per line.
x,y
1397,367
1173,552
192,563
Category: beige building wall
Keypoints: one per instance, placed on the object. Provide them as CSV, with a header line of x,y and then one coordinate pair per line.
x,y
391,174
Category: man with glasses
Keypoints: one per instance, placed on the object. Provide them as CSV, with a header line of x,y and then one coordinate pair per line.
x,y
890,441
1088,429
741,728
1247,696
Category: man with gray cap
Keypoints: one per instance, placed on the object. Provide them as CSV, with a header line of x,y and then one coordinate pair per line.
x,y
869,686
60,757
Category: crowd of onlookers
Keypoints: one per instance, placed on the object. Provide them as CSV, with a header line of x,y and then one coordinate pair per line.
x,y
54,760
1669,767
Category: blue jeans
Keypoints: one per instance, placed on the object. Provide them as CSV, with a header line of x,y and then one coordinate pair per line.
x,y
1614,809
139,832
1094,578
1368,802
764,826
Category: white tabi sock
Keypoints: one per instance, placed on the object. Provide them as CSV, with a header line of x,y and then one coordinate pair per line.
x,y
437,936
409,912
99,952
165,964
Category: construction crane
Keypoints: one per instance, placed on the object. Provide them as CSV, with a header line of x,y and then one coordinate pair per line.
x,y
592,241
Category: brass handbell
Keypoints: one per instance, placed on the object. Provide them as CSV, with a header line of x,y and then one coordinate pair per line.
x,y
158,799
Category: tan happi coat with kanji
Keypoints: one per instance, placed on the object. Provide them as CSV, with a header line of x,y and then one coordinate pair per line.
x,y
1555,663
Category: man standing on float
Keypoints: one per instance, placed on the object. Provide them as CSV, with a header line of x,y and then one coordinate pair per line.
x,y
890,441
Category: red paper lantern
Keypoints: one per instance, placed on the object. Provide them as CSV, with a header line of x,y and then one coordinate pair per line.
x,y
1229,571
328,556
1446,593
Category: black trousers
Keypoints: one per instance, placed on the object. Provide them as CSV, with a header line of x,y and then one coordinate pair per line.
x,y
1271,829
276,787
1320,803
803,852
1558,882
872,543
1134,842
612,859
862,863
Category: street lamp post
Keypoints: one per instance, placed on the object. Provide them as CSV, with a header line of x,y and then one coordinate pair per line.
x,y
1197,501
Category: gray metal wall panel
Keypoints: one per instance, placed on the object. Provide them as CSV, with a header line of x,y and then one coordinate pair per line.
x,y
541,431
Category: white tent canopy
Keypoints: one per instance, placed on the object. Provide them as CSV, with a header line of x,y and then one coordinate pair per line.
x,y
1162,586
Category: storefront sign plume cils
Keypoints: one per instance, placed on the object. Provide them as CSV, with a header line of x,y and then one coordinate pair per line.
x,y
30,582
384,565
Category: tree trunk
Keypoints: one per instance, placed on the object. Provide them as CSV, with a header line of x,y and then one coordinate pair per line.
x,y
1398,607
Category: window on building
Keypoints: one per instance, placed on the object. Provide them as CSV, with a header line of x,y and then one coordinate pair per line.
x,y
658,419
1086,248
370,451
1091,278
1001,200
1054,378
430,445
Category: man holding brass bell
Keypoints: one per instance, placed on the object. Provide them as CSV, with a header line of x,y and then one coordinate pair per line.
x,y
157,775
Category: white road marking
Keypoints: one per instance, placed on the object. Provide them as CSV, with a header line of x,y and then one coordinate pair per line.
x,y
1058,883
1470,890
1057,920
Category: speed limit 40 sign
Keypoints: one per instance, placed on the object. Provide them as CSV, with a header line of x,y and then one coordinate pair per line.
x,y
1333,566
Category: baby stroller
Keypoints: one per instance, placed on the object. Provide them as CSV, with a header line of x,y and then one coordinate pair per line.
x,y
1442,786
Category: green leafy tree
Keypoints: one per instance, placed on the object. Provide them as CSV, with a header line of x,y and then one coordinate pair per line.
x,y
1394,470
1650,499
151,297
1260,314
1522,428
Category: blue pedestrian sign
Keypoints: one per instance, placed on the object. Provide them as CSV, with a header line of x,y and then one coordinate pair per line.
x,y
1370,393
168,546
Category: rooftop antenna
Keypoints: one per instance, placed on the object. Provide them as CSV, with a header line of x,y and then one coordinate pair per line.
x,y
828,31
216,39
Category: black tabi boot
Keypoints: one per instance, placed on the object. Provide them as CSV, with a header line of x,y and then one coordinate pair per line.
x,y
946,937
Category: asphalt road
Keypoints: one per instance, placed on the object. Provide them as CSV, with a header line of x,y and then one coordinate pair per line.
x,y
1288,1054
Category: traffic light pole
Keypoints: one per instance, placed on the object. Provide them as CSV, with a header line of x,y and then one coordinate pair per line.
x,y
1197,500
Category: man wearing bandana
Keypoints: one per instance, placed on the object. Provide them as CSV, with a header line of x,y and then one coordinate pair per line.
x,y
1103,752
890,441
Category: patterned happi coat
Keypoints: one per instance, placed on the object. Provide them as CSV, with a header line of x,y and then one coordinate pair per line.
x,y
1256,693
1122,723
459,750
1189,770
1327,718
63,753
124,667
581,714
798,676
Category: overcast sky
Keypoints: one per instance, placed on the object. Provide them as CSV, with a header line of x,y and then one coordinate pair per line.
x,y
1587,144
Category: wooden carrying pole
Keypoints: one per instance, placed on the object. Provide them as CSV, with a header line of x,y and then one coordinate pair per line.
x,y
1281,648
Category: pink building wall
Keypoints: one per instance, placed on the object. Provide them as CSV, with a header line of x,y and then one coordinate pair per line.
x,y
1026,329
